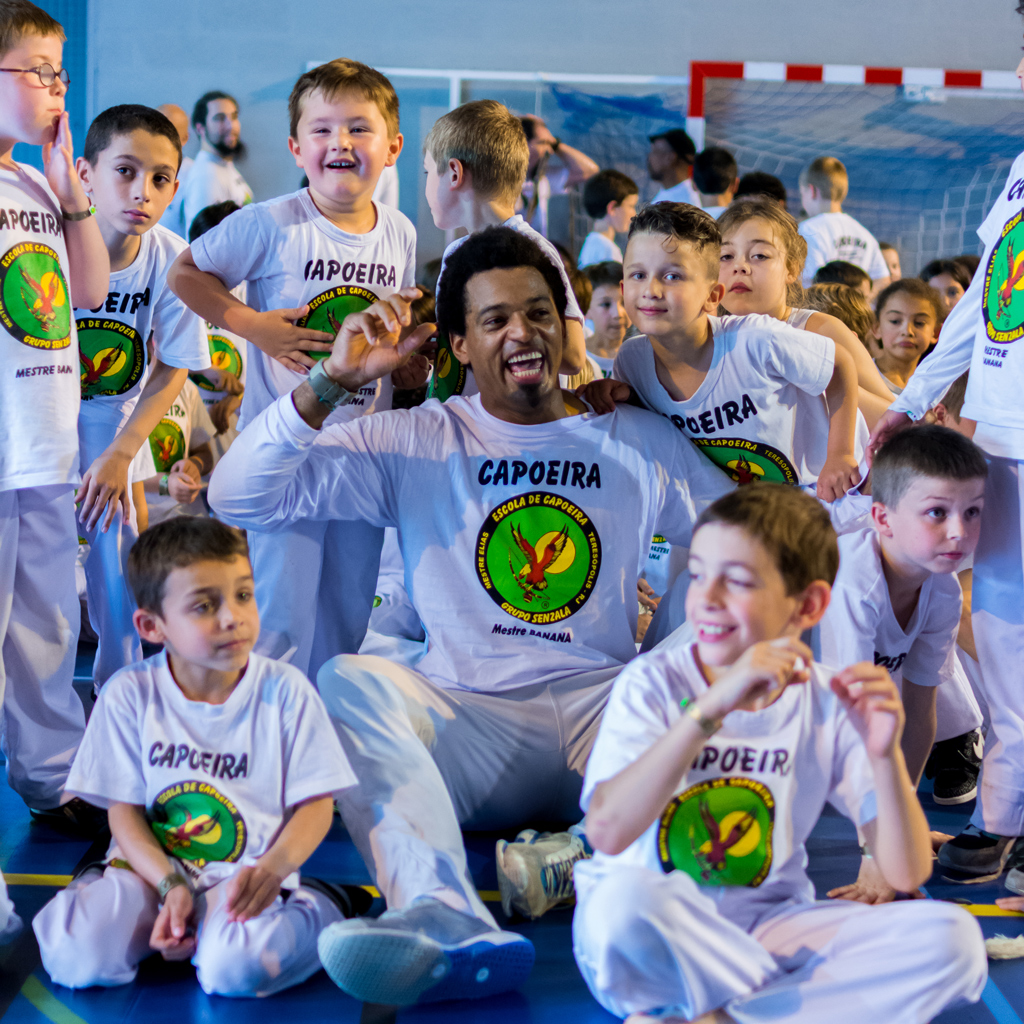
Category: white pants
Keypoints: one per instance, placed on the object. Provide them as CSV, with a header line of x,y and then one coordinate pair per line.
x,y
997,617
43,719
429,760
10,923
315,583
110,602
956,708
648,941
96,932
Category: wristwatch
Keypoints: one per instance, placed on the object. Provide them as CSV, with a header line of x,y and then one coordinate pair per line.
x,y
164,489
171,881
328,390
81,215
708,726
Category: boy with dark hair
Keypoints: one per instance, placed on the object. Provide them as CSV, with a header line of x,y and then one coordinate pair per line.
x,y
830,233
841,272
129,169
311,258
54,256
711,767
716,175
217,768
670,163
610,198
607,313
760,183
475,158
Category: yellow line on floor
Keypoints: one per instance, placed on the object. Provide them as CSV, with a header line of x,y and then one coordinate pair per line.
x,y
47,1003
990,910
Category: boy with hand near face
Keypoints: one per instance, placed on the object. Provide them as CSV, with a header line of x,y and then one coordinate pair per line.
x,y
311,258
713,763
55,257
129,170
217,767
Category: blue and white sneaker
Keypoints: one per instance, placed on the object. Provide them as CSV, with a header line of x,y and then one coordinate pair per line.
x,y
424,954
535,871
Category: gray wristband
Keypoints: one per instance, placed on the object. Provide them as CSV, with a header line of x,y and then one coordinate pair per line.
x,y
328,391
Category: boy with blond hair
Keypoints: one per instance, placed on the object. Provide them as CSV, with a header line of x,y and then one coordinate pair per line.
x,y
475,158
53,258
830,233
311,258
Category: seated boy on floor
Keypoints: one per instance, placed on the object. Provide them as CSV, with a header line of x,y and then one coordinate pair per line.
x,y
217,767
896,599
711,767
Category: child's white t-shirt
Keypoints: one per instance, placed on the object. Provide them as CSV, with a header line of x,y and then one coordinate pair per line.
x,y
228,352
217,780
39,385
112,338
759,413
683,192
185,426
860,625
743,811
603,365
293,256
837,236
598,249
522,543
211,180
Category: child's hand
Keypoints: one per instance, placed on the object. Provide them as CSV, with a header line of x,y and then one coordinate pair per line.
x,y
646,596
220,412
413,375
104,486
837,476
222,380
170,935
59,167
874,704
184,482
251,891
276,334
759,677
888,426
605,394
870,887
1011,903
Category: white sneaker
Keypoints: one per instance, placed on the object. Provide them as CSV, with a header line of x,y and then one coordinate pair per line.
x,y
535,871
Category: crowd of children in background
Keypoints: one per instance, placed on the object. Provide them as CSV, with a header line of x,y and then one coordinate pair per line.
x,y
280,354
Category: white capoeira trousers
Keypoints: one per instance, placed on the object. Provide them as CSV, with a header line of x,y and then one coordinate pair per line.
x,y
96,932
111,604
43,720
997,617
652,942
315,581
429,760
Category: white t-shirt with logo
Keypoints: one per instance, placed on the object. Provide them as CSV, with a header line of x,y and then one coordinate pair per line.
x,y
292,256
597,248
837,236
185,426
522,543
860,625
759,413
743,811
38,343
211,179
683,192
112,338
983,332
217,780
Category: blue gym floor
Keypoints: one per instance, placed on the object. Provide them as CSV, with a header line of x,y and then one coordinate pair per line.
x,y
35,860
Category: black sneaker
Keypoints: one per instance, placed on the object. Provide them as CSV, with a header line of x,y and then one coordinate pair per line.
x,y
954,765
351,900
975,852
76,818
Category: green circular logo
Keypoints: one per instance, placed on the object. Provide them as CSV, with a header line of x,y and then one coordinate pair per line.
x,y
223,356
167,443
34,302
719,832
538,556
449,376
112,355
747,462
195,822
328,310
1003,298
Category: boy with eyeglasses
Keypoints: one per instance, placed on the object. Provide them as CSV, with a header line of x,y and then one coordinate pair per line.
x,y
52,258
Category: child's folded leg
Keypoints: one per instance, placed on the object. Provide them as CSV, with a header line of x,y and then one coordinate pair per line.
x,y
96,931
266,954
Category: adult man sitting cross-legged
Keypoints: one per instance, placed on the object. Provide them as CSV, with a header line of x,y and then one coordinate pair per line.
x,y
524,520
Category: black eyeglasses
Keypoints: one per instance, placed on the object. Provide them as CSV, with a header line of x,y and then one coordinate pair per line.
x,y
47,76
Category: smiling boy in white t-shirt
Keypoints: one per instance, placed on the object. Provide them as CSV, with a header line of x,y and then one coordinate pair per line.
x,y
712,765
311,258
